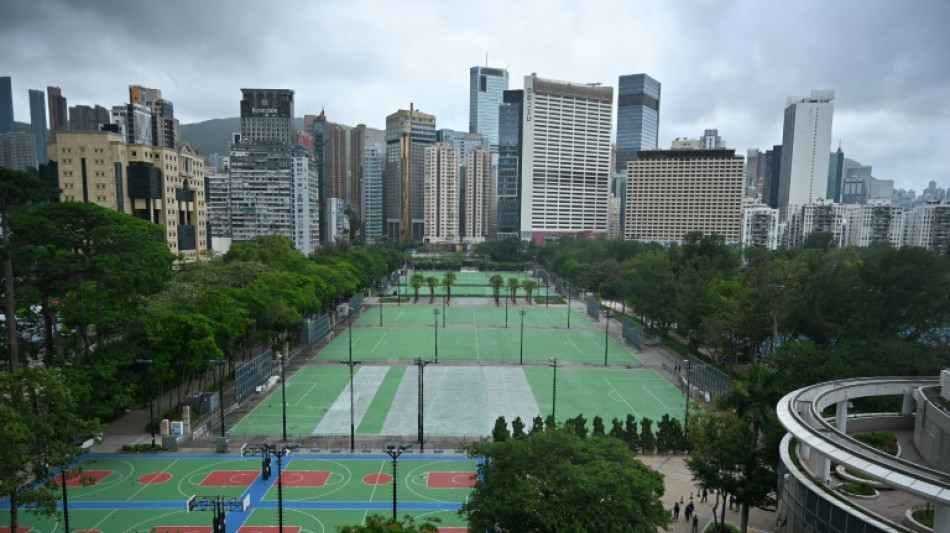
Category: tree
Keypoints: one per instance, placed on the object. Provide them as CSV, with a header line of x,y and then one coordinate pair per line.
x,y
537,424
513,286
554,481
496,283
517,428
17,191
432,282
529,286
416,282
448,281
647,438
37,413
500,432
598,427
379,524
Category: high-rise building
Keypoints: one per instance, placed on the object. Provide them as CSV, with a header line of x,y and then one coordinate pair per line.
x,y
876,221
928,226
835,176
566,158
38,125
6,104
485,88
267,115
806,149
362,138
821,215
273,185
162,185
638,117
760,227
711,140
479,196
773,169
462,140
674,192
319,129
509,165
88,118
408,134
371,175
337,164
442,183
17,150
58,117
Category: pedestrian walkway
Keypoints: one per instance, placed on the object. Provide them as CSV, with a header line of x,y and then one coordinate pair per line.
x,y
680,488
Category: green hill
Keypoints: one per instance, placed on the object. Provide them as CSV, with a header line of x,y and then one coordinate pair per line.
x,y
214,136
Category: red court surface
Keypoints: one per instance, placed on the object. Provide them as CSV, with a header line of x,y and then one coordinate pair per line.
x,y
377,479
451,480
268,529
230,478
6,529
305,478
154,479
183,529
73,478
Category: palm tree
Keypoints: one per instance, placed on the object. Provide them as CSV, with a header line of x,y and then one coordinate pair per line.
x,y
496,283
513,285
529,285
416,281
448,280
432,282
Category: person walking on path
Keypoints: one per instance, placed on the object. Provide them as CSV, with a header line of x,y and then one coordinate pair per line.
x,y
676,511
705,495
695,524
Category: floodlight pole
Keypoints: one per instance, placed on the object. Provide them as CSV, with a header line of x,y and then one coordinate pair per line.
x,y
554,391
689,365
280,453
283,390
506,310
435,312
151,409
568,287
607,315
380,305
394,452
521,353
421,422
220,364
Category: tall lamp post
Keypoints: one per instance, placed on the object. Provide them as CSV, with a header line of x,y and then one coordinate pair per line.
x,y
443,306
553,363
607,315
85,446
422,366
222,444
380,305
283,391
521,352
435,312
689,365
280,453
351,363
394,452
151,410
506,310
568,287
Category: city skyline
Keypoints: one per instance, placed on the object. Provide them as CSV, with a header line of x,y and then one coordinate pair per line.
x,y
724,66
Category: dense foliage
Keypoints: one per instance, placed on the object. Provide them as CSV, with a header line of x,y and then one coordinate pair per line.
x,y
555,480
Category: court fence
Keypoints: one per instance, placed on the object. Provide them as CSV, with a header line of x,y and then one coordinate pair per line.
x,y
633,333
251,375
593,308
315,330
702,377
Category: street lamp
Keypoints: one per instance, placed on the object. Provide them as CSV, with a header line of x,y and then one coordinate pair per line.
x,y
351,363
443,306
283,392
280,453
394,452
380,305
607,315
220,364
151,410
85,446
506,310
435,313
553,363
521,353
422,365
568,287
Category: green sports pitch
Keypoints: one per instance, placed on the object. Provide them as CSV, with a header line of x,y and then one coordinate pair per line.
x,y
127,493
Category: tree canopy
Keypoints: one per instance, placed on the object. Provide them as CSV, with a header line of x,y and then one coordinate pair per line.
x,y
551,481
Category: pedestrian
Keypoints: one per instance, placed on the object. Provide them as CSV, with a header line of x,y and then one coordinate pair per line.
x,y
676,511
705,495
689,511
695,524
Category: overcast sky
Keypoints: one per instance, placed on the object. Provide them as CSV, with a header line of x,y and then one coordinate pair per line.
x,y
722,64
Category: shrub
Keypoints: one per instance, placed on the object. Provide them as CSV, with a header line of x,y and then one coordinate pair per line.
x,y
141,448
858,489
884,441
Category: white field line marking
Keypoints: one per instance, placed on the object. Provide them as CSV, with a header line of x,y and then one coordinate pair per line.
x,y
569,339
622,399
375,346
657,399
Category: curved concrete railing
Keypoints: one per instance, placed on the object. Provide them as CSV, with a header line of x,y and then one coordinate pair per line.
x,y
800,414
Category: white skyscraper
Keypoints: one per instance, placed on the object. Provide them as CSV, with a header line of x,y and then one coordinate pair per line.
x,y
806,150
442,194
566,158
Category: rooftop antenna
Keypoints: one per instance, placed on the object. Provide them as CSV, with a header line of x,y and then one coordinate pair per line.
x,y
486,59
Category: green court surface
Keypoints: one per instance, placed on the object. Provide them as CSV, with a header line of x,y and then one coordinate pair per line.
x,y
535,315
139,493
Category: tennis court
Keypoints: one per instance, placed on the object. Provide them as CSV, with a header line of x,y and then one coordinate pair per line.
x,y
536,315
137,493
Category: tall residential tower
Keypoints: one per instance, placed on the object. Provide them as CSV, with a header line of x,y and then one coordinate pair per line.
x,y
806,150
